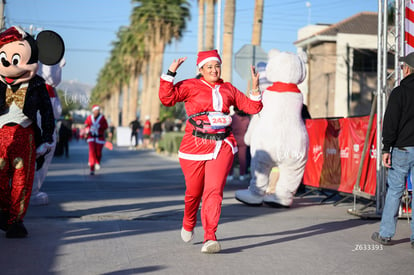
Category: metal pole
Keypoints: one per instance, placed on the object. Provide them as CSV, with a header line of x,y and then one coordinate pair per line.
x,y
402,28
379,107
218,35
398,33
384,57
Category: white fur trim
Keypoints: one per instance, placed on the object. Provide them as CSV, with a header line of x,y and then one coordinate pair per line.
x,y
95,108
255,97
195,156
167,77
207,60
96,140
234,149
209,156
217,99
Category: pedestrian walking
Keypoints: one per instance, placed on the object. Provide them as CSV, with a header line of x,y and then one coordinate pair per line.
x,y
156,133
95,125
208,146
135,127
146,132
398,150
65,134
52,76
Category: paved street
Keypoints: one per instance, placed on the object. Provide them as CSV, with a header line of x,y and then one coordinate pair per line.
x,y
127,219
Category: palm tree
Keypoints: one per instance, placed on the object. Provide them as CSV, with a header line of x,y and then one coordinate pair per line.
x,y
210,19
257,23
163,21
109,81
132,56
229,14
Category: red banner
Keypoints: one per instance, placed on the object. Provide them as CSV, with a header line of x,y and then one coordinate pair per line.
x,y
335,151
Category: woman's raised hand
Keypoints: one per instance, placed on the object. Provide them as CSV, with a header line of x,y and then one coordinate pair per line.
x,y
176,64
255,81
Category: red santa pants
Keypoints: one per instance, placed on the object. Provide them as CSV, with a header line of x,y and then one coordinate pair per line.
x,y
17,167
95,154
205,180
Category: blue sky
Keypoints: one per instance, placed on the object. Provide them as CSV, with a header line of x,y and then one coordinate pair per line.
x,y
89,27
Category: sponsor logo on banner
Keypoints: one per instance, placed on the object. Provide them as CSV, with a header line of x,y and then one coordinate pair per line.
x,y
345,153
356,148
317,152
373,152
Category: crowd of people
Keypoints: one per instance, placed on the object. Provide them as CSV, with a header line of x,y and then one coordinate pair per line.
x,y
146,135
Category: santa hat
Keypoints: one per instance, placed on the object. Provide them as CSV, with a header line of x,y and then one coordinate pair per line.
x,y
206,56
95,107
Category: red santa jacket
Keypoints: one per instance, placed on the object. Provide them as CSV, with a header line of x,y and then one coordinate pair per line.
x,y
200,96
95,128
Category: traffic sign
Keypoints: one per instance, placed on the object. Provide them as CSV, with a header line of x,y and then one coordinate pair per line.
x,y
248,55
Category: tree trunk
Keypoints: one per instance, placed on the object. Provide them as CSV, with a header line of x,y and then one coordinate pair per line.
x,y
229,13
125,99
115,107
257,23
144,104
105,106
154,111
210,19
133,96
201,8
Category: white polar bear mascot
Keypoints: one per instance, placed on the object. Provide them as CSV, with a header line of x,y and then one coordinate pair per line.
x,y
278,136
52,76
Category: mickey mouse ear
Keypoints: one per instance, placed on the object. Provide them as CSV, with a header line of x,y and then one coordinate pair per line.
x,y
51,47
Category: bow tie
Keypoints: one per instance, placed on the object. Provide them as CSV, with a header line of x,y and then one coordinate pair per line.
x,y
16,97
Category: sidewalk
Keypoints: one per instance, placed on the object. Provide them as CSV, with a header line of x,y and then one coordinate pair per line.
x,y
127,219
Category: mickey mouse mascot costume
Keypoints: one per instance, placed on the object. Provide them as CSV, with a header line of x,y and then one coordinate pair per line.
x,y
22,95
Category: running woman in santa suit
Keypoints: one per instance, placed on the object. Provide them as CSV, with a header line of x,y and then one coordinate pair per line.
x,y
208,146
95,125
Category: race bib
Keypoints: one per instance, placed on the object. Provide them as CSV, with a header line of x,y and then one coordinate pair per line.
x,y
219,120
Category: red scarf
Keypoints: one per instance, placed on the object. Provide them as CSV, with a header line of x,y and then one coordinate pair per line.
x,y
282,87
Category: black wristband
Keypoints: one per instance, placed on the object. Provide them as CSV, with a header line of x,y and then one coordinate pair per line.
x,y
171,73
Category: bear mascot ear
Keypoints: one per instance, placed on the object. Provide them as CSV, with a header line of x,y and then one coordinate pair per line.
x,y
51,47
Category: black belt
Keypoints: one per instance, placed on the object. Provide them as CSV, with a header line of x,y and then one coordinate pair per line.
x,y
217,136
198,123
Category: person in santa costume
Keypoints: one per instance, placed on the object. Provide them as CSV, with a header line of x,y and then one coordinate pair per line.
x,y
208,146
95,126
22,95
52,76
278,136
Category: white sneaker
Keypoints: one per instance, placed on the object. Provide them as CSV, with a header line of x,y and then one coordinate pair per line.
x,y
248,197
230,178
242,177
186,236
211,247
271,200
97,166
